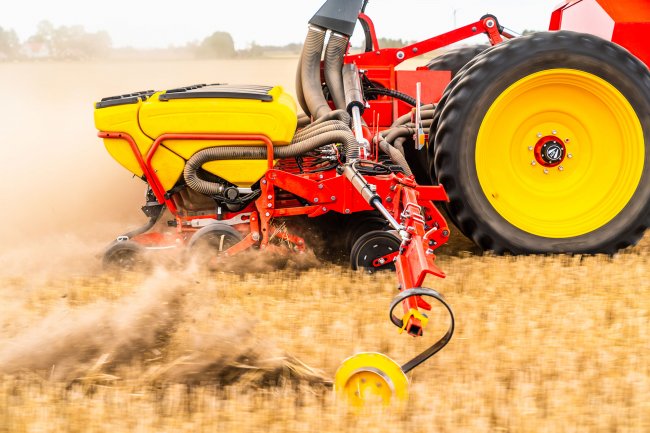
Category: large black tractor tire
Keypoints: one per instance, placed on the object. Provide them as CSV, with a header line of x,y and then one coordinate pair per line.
x,y
454,59
542,146
457,61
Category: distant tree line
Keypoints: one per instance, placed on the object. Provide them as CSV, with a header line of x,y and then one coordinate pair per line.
x,y
75,43
50,42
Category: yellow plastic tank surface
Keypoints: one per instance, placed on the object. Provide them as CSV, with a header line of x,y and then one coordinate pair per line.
x,y
210,109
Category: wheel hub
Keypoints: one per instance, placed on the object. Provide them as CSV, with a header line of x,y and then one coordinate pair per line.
x,y
550,151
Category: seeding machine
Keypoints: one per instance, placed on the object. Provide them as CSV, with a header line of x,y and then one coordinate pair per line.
x,y
533,144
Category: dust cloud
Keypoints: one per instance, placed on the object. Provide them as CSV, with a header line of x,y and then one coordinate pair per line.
x,y
156,333
56,177
65,199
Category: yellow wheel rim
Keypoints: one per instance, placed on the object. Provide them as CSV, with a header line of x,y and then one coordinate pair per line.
x,y
601,163
371,378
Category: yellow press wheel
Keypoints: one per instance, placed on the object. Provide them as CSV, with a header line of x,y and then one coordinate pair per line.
x,y
371,378
542,146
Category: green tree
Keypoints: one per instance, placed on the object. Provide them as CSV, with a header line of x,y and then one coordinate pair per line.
x,y
8,44
72,43
75,43
219,45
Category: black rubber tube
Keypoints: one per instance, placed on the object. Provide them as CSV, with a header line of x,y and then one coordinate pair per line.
x,y
332,125
396,156
299,94
310,72
336,48
146,227
303,120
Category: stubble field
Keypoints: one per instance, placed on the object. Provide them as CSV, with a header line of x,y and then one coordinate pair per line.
x,y
543,344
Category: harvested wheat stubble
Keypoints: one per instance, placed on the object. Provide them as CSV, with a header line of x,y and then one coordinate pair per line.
x,y
543,344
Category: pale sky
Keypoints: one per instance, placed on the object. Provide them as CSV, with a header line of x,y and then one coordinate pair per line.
x,y
160,23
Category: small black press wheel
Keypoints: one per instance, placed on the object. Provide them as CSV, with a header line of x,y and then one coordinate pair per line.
x,y
371,252
125,256
212,241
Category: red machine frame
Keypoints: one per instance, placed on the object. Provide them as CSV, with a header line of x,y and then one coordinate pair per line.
x,y
379,66
326,191
424,228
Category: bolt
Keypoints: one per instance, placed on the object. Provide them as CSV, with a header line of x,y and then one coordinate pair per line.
x,y
347,211
256,236
415,50
445,233
570,156
333,198
489,24
432,243
530,147
269,196
474,29
554,132
533,163
561,168
324,209
269,205
400,55
267,214
388,199
315,199
382,261
320,186
539,135
546,171
263,181
320,176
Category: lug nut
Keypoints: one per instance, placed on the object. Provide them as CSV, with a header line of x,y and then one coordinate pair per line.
x,y
561,168
546,171
554,132
539,135
530,147
569,156
533,163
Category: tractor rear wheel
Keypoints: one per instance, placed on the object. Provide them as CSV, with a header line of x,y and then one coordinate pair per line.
x,y
458,62
543,146
454,59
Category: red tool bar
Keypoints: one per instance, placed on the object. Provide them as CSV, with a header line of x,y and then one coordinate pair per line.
x,y
395,56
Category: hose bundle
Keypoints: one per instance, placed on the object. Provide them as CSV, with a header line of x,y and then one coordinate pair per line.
x,y
311,138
